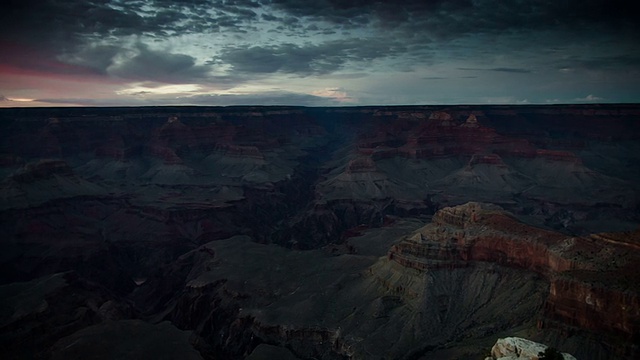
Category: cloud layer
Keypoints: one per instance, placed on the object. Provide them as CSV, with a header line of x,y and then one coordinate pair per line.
x,y
421,51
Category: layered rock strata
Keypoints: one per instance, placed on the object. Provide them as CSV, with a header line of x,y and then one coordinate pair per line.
x,y
593,282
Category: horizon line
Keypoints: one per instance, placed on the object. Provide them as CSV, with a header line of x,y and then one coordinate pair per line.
x,y
317,106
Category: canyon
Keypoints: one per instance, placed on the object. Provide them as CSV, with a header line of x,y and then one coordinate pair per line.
x,y
414,232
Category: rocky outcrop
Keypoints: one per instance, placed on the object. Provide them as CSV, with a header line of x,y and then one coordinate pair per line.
x,y
519,348
592,283
471,122
605,308
476,232
42,310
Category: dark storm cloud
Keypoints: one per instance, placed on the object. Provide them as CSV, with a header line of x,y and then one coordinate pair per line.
x,y
307,59
451,17
141,40
69,28
162,66
61,26
56,23
348,12
96,57
45,35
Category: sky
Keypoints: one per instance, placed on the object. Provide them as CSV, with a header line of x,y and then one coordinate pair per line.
x,y
318,52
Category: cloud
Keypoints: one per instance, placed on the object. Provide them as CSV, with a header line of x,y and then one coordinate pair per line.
x,y
72,26
109,43
155,65
264,98
336,94
449,18
146,88
500,69
308,59
511,70
589,97
96,57
14,101
348,13
629,60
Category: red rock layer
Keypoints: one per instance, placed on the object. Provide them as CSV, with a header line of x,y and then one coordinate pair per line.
x,y
593,283
598,307
414,135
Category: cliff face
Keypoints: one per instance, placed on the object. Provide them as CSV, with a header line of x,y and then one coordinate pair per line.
x,y
597,307
592,285
466,233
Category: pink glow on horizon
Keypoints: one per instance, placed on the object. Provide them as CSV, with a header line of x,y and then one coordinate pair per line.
x,y
28,73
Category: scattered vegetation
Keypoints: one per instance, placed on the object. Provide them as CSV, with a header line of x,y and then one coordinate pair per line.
x,y
550,353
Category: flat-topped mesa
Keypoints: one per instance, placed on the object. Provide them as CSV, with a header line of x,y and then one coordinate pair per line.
x,y
463,215
43,169
594,282
361,165
482,232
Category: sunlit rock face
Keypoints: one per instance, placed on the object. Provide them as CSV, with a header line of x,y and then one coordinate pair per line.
x,y
375,232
